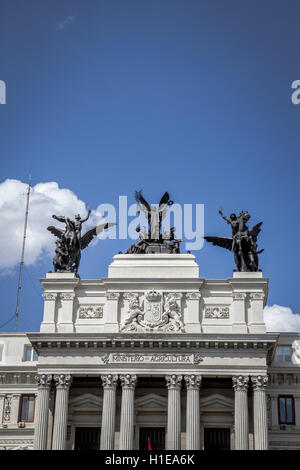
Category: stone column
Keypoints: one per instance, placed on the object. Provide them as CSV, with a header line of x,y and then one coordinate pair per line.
x,y
62,383
174,412
193,383
259,384
42,411
108,411
241,421
15,406
127,411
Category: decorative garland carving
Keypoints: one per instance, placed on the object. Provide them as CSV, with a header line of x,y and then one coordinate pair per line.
x,y
91,311
216,311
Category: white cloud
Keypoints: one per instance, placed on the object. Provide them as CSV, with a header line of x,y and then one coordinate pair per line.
x,y
281,319
45,199
65,22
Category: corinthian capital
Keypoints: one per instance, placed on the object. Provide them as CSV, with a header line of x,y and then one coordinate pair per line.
x,y
109,381
62,380
128,380
240,383
43,380
259,382
174,381
193,382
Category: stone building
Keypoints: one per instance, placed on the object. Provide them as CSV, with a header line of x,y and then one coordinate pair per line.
x,y
151,354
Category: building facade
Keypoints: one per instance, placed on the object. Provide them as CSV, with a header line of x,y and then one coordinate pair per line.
x,y
152,354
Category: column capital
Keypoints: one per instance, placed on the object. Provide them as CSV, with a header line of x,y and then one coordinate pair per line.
x,y
62,380
259,382
67,295
193,382
49,295
239,295
43,380
240,383
109,381
128,380
173,381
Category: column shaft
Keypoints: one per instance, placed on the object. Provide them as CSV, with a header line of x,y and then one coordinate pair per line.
x,y
108,412
193,383
42,412
241,420
127,412
260,412
61,412
174,412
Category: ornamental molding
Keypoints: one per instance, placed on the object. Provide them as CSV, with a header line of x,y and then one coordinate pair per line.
x,y
62,380
7,409
43,380
109,381
128,380
112,295
49,296
193,382
153,311
152,358
257,296
174,382
240,383
259,382
193,295
216,311
67,295
90,311
239,295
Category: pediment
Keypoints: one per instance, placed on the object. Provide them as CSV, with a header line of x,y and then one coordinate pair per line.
x,y
86,402
217,403
151,402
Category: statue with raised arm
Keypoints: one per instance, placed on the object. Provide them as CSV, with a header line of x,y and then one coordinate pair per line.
x,y
243,242
70,242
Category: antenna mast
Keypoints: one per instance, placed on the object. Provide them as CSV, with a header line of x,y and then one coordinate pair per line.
x,y
23,252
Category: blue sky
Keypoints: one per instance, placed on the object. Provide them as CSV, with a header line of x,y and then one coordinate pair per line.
x,y
193,97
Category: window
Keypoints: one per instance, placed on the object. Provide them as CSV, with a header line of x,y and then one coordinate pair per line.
x,y
286,409
283,354
30,354
27,405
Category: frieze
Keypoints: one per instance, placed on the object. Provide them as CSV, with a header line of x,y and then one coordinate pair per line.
x,y
154,358
90,311
216,311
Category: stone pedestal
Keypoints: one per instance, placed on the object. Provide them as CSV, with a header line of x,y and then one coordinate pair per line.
x,y
61,411
42,412
193,383
241,422
174,412
128,383
108,411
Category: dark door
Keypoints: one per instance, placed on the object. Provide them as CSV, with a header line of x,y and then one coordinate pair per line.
x,y
87,439
216,439
154,436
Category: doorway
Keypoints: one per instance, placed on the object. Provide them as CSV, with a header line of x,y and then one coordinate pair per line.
x,y
216,439
87,438
153,437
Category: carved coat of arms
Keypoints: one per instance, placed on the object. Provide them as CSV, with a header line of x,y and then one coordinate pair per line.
x,y
153,312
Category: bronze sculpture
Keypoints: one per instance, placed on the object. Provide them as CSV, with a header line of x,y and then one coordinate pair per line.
x,y
70,242
243,242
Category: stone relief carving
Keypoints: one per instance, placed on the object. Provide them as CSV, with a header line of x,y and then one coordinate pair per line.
x,y
90,311
216,312
153,312
7,409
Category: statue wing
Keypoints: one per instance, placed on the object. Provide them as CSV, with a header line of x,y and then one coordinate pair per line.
x,y
163,205
220,241
255,231
57,232
142,202
90,234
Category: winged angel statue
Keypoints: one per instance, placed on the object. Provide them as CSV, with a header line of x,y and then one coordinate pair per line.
x,y
153,240
70,242
243,242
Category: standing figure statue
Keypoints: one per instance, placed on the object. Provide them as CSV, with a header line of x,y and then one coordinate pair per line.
x,y
68,247
243,242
